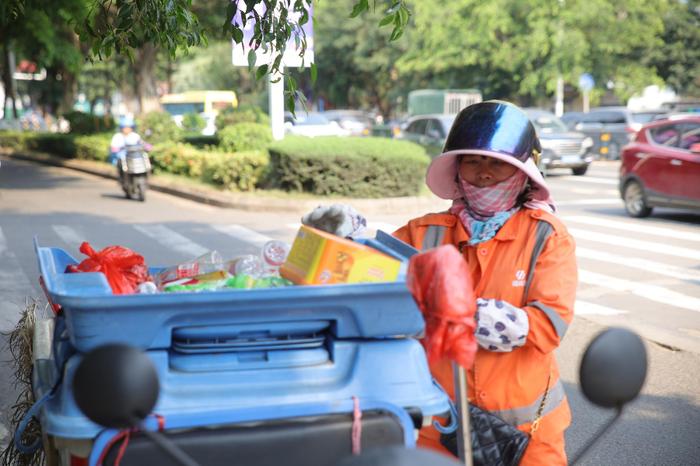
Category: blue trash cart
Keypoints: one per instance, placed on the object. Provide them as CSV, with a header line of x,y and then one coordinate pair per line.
x,y
251,377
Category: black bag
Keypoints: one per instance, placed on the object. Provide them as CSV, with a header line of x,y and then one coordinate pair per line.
x,y
494,441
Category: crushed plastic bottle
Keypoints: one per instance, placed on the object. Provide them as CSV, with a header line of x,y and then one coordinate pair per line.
x,y
248,264
206,263
274,253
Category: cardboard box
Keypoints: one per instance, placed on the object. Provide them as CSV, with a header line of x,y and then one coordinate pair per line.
x,y
320,258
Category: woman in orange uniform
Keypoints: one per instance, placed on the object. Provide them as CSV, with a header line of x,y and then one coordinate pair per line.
x,y
523,266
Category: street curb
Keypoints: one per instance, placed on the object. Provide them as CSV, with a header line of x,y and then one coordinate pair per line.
x,y
240,201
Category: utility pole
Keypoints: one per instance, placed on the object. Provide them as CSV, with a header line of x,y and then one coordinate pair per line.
x,y
559,103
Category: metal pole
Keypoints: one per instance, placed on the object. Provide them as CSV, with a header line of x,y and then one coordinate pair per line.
x,y
464,444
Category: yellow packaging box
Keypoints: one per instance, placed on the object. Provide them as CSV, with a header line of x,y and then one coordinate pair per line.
x,y
320,258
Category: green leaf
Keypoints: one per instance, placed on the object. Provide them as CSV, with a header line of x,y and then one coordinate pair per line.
x,y
262,71
386,20
314,73
251,59
237,35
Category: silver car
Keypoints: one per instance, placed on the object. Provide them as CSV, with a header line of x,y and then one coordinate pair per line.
x,y
561,148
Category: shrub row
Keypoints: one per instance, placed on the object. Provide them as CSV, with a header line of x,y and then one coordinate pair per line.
x,y
240,171
354,167
91,147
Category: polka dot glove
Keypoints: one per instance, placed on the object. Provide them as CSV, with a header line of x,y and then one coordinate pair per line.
x,y
501,327
338,219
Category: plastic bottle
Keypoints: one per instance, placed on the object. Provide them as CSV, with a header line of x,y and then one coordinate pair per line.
x,y
274,253
209,262
248,264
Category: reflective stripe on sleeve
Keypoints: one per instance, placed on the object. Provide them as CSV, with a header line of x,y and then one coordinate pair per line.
x,y
434,235
560,326
525,414
542,233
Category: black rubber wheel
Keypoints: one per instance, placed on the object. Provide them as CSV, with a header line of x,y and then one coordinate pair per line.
x,y
140,186
580,171
635,200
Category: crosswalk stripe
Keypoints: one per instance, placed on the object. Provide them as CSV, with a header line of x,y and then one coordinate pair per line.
x,y
639,263
14,286
585,308
631,243
243,234
590,179
632,226
172,239
69,235
597,191
648,291
602,201
386,227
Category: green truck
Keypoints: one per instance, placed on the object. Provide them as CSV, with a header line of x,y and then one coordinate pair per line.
x,y
445,101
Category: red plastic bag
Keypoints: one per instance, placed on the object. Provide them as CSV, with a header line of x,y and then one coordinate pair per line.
x,y
441,285
125,270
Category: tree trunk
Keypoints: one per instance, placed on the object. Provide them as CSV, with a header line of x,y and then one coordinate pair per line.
x,y
7,81
144,77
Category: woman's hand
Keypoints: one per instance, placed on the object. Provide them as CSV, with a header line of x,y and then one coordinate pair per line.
x,y
501,327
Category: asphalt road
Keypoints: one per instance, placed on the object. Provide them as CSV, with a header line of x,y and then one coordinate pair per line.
x,y
641,274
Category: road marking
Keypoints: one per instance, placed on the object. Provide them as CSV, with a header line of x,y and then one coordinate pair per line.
x,y
173,240
590,179
636,227
648,246
638,263
14,286
586,309
603,201
69,235
243,234
648,291
598,191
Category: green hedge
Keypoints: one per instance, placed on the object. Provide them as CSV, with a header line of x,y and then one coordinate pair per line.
x,y
354,167
86,123
244,137
240,171
60,144
201,141
242,114
13,139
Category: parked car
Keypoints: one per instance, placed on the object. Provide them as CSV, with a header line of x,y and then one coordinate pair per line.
x,y
561,148
610,128
429,131
661,167
311,125
357,122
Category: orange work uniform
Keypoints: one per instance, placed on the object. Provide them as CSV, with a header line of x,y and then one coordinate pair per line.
x,y
513,384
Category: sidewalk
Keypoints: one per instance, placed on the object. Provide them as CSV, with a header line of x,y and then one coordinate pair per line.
x,y
259,201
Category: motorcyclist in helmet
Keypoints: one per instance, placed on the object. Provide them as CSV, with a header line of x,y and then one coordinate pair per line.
x,y
127,136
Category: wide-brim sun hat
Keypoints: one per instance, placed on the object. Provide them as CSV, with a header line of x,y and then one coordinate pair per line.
x,y
495,129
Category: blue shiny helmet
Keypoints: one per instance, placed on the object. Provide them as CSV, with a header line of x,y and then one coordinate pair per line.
x,y
494,126
127,122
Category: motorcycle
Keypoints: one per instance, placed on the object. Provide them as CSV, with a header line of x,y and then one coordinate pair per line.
x,y
134,165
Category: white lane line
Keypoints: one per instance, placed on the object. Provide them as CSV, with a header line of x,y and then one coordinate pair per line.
x,y
626,242
590,179
638,263
69,235
243,234
586,309
15,287
603,201
598,191
659,294
172,240
633,227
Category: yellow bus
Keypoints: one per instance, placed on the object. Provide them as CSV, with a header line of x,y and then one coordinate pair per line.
x,y
205,103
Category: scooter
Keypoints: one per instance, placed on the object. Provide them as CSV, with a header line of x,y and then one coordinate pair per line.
x,y
134,166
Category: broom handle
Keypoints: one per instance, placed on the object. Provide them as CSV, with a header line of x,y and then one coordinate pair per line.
x,y
464,444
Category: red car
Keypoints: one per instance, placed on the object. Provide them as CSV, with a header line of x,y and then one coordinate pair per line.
x,y
661,167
